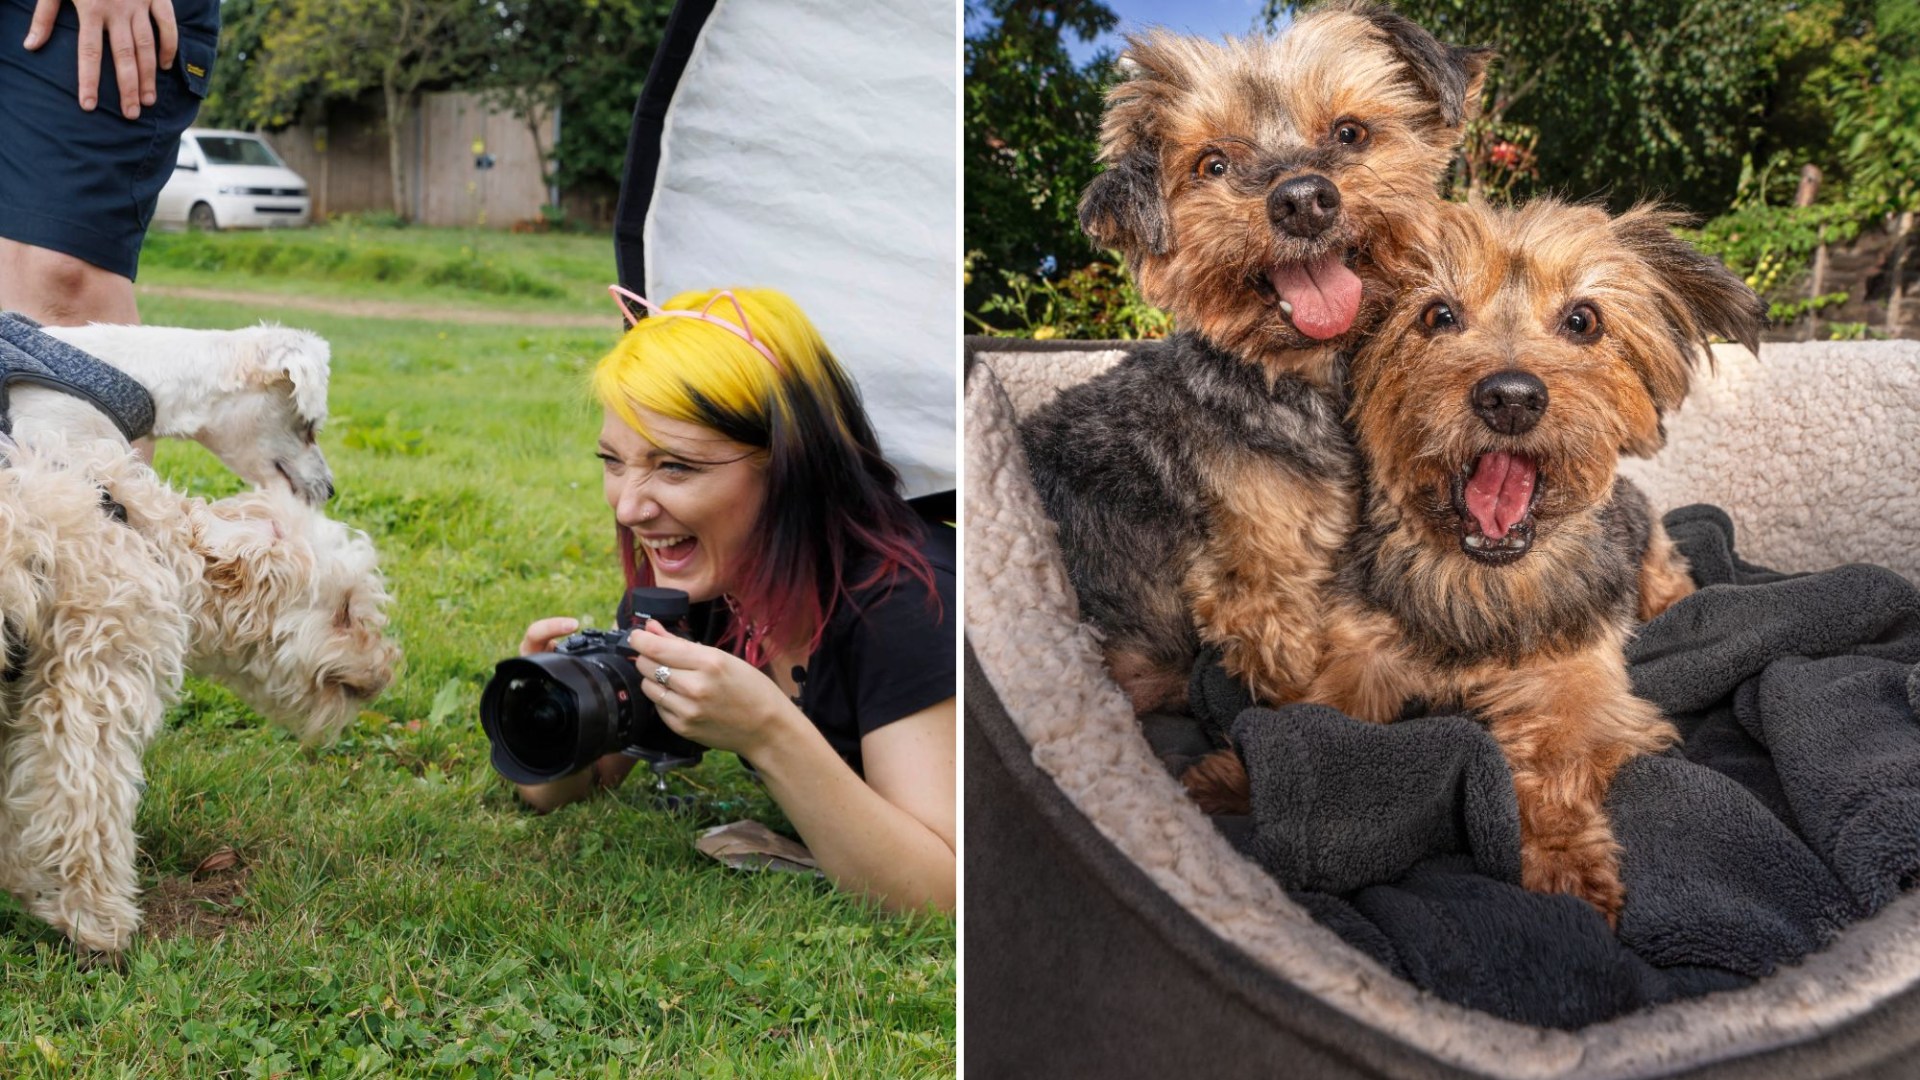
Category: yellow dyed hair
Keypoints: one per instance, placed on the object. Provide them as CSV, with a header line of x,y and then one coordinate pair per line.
x,y
691,370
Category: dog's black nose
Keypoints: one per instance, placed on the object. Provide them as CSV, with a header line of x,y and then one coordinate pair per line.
x,y
1304,205
1510,402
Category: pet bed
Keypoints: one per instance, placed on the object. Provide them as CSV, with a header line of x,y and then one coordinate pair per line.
x,y
1112,930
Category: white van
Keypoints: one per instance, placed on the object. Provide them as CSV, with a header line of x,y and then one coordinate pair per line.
x,y
231,180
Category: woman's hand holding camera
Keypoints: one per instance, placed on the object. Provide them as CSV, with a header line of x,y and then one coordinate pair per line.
x,y
711,696
608,771
544,632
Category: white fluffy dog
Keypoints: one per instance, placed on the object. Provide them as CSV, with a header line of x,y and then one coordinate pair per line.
x,y
255,397
257,591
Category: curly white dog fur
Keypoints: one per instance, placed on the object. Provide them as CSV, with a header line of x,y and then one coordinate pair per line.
x,y
255,397
257,591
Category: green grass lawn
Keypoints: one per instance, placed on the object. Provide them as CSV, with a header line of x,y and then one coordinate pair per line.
x,y
560,272
393,911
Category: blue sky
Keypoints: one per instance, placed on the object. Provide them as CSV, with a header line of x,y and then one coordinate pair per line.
x,y
1208,18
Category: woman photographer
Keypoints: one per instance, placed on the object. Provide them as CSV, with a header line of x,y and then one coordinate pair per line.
x,y
740,467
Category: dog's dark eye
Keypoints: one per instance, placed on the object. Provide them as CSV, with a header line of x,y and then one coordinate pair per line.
x,y
1583,323
1212,165
1438,316
1350,133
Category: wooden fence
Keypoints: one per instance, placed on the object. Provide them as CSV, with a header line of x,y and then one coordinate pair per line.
x,y
344,159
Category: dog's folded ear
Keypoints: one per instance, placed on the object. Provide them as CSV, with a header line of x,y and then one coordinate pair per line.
x,y
1122,208
1451,75
275,354
1702,297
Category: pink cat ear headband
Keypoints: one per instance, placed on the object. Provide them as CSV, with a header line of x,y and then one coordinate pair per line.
x,y
740,329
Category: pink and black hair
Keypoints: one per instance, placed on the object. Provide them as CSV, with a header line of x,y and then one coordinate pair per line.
x,y
753,368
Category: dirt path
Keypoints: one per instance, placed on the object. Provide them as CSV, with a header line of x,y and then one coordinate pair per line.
x,y
384,309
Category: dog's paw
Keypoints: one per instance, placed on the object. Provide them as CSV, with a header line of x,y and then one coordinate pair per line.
x,y
1218,784
1591,872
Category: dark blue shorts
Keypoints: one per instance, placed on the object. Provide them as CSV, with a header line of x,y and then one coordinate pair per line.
x,y
85,183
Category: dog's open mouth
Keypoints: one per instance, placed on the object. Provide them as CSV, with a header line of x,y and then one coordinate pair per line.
x,y
1495,496
1320,297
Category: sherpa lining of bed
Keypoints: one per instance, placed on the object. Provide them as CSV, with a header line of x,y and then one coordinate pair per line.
x,y
1022,623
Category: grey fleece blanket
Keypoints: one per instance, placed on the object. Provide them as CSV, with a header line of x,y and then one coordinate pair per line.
x,y
1791,808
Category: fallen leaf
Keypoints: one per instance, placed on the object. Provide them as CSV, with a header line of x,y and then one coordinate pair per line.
x,y
749,845
223,859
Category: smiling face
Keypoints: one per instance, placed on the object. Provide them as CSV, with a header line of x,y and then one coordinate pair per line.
x,y
692,498
1258,188
1536,348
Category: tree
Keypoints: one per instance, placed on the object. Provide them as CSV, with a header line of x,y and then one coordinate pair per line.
x,y
337,48
1878,125
1877,116
1030,136
282,60
585,58
230,101
1628,98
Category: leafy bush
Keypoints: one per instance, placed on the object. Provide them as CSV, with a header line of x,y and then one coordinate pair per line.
x,y
1769,247
1030,137
1748,238
1097,301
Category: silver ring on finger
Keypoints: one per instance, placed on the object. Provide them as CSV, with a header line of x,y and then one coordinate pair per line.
x,y
662,673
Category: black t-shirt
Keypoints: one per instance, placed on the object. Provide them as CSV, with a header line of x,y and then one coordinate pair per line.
x,y
887,652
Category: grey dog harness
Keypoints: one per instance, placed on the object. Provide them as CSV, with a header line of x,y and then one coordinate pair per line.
x,y
28,355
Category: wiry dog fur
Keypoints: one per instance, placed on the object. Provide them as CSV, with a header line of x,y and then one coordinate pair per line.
x,y
256,397
258,591
1535,347
1202,486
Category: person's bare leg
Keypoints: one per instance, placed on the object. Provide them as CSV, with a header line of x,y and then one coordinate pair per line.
x,y
59,290
56,289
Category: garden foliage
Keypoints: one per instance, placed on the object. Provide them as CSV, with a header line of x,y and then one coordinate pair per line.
x,y
1713,105
282,60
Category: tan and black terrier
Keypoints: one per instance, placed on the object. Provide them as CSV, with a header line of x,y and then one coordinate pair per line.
x,y
1501,563
1259,189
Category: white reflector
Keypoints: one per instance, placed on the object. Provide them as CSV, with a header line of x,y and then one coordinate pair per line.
x,y
810,146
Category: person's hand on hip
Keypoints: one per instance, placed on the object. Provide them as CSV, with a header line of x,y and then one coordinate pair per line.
x,y
142,38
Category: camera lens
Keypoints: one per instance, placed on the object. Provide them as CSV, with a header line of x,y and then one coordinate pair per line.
x,y
544,730
551,714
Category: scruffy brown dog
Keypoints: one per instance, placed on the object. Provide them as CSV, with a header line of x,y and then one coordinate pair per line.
x,y
1258,189
1501,563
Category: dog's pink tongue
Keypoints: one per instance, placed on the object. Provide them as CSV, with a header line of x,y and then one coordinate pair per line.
x,y
1325,295
1498,492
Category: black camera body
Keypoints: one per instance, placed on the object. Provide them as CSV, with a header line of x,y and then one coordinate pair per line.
x,y
551,714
